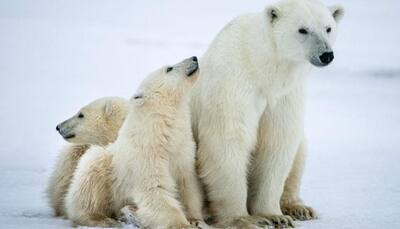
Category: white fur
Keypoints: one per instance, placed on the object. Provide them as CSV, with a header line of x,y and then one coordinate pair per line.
x,y
248,109
103,118
151,164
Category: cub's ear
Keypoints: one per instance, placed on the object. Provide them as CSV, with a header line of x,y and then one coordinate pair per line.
x,y
108,108
273,13
337,12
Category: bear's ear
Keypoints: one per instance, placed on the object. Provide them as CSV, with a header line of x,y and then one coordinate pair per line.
x,y
108,108
273,13
337,12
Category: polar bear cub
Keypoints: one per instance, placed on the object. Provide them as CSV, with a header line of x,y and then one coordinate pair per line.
x,y
151,164
95,124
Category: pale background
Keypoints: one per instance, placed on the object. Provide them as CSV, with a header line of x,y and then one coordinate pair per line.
x,y
56,56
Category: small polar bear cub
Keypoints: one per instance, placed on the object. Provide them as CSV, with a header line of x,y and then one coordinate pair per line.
x,y
95,124
151,164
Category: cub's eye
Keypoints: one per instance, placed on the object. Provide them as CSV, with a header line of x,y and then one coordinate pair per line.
x,y
138,95
303,31
329,29
169,69
80,115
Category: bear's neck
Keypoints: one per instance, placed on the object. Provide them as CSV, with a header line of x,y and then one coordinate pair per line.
x,y
157,121
162,128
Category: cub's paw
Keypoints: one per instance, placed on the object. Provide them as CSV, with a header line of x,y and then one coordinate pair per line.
x,y
127,215
280,221
109,222
183,226
97,221
299,212
196,223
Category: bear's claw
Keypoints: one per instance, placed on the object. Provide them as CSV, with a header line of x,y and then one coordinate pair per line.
x,y
299,212
252,222
280,221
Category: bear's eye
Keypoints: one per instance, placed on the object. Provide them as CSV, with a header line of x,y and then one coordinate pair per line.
x,y
169,69
303,31
80,115
329,29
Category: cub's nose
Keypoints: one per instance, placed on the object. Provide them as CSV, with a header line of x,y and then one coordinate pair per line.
x,y
193,66
326,57
58,128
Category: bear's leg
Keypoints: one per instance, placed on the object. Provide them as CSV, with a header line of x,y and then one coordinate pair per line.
x,y
291,203
95,220
61,178
157,207
280,133
89,198
155,193
191,194
225,139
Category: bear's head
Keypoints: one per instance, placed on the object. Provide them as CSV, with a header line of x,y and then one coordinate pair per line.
x,y
304,30
97,123
169,85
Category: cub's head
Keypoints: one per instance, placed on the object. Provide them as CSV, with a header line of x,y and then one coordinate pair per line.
x,y
304,30
169,85
97,123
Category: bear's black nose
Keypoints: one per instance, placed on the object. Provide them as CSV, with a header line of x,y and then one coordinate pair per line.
x,y
326,57
194,58
57,128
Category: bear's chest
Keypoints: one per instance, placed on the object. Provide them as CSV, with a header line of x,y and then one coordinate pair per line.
x,y
276,82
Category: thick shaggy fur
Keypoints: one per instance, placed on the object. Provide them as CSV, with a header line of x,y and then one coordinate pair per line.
x,y
62,175
99,126
151,164
248,111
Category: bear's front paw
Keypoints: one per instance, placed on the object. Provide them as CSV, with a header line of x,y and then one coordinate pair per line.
x,y
250,222
299,212
280,221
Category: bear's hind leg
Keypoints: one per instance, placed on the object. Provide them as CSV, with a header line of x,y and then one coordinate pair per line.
x,y
96,220
61,177
89,199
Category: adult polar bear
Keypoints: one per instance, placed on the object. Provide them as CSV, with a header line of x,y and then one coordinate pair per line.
x,y
248,111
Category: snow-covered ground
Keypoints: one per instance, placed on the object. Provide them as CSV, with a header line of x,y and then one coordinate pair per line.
x,y
56,56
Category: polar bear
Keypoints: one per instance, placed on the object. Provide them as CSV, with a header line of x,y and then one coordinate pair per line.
x,y
95,124
151,164
248,111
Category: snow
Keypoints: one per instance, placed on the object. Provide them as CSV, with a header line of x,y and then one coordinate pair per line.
x,y
56,56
